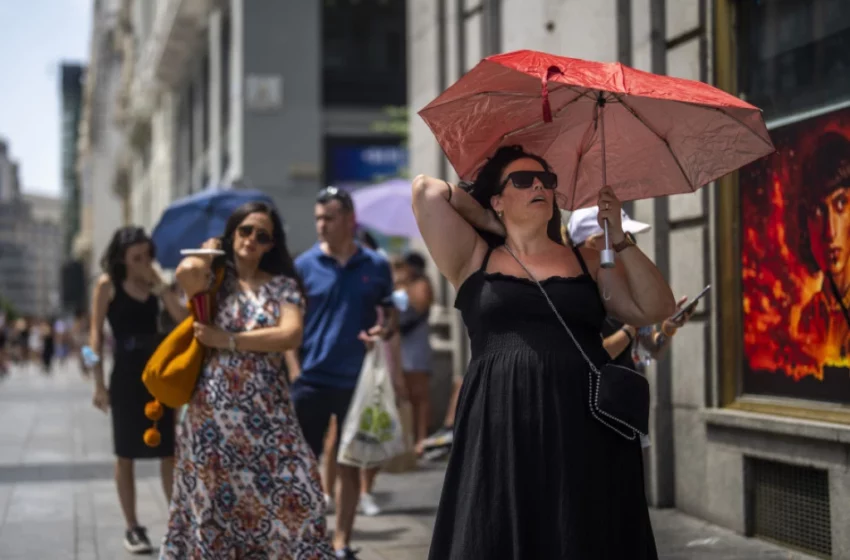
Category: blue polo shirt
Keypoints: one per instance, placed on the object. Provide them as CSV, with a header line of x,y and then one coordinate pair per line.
x,y
341,302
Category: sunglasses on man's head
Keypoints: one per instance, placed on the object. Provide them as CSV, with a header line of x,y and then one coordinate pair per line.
x,y
334,193
263,237
525,179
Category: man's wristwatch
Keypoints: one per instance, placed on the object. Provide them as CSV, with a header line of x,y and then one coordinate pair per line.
x,y
231,342
628,241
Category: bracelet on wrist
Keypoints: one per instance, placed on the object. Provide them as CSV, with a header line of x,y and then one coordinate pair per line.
x,y
666,332
628,334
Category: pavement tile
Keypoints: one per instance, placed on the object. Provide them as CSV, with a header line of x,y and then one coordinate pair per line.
x,y
45,540
58,498
35,504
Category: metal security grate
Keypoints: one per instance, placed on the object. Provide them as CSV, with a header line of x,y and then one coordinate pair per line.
x,y
790,505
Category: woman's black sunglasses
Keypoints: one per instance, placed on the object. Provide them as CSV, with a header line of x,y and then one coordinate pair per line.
x,y
525,179
263,237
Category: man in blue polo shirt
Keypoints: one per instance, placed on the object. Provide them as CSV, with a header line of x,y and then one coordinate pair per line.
x,y
345,284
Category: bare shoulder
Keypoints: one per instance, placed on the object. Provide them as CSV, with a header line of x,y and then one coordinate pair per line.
x,y
104,285
104,290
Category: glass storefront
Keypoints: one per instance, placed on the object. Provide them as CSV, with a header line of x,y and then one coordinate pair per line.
x,y
793,58
793,55
364,52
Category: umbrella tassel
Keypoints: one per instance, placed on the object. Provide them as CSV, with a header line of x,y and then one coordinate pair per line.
x,y
547,108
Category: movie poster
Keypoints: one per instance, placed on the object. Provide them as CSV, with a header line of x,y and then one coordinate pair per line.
x,y
795,226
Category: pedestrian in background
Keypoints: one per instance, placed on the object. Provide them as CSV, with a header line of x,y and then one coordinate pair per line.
x,y
80,338
48,344
127,296
345,284
247,484
415,330
622,340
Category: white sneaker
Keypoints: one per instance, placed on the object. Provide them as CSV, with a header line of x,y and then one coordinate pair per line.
x,y
368,507
329,503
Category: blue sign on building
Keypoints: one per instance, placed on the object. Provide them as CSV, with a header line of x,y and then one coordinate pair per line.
x,y
365,164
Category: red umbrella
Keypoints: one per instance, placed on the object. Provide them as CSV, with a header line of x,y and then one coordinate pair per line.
x,y
661,135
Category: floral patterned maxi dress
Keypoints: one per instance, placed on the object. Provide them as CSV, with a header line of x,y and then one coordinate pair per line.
x,y
246,483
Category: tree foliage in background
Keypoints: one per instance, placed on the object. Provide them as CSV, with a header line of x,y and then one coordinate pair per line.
x,y
8,309
395,123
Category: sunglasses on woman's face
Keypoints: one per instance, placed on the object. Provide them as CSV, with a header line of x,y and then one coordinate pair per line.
x,y
263,237
525,179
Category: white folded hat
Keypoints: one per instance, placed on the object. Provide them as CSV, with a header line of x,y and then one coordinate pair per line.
x,y
584,223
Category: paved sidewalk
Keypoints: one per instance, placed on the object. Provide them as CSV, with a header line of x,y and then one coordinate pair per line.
x,y
58,502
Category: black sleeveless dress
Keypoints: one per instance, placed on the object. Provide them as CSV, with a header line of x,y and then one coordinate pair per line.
x,y
532,474
135,330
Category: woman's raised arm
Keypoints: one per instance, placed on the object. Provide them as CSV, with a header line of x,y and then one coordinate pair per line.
x,y
447,217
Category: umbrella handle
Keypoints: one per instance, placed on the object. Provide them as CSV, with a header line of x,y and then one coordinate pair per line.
x,y
606,257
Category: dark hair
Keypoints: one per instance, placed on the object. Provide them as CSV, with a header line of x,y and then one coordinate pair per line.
x,y
112,261
488,184
415,261
276,261
328,194
825,170
367,239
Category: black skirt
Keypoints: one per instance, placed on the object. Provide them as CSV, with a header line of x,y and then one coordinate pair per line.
x,y
127,398
533,475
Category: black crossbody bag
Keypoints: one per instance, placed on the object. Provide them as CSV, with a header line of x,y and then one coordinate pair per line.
x,y
619,396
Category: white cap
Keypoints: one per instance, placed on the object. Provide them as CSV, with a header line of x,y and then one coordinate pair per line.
x,y
583,224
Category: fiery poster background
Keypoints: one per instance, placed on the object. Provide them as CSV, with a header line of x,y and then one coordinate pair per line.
x,y
777,285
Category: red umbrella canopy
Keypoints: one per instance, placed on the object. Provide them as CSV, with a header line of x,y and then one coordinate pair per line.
x,y
662,135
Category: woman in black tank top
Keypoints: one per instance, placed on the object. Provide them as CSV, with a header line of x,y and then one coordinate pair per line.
x,y
532,473
127,296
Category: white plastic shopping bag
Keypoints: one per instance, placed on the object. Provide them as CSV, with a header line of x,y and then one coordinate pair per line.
x,y
372,432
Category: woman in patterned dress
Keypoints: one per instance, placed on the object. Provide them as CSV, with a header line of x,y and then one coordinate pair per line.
x,y
247,484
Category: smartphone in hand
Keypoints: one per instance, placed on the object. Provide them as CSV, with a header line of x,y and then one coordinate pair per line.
x,y
688,309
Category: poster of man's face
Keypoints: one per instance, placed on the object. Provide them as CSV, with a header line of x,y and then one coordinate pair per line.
x,y
795,221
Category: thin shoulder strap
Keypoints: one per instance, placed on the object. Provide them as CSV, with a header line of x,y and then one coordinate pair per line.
x,y
580,260
486,260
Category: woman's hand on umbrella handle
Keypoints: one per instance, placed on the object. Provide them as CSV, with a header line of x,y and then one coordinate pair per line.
x,y
610,209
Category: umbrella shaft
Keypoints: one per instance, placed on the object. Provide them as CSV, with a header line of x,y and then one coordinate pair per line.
x,y
600,107
607,256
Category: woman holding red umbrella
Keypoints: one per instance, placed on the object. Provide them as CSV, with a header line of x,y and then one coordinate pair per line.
x,y
532,474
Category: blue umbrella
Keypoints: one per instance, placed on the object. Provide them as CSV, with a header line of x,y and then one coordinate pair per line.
x,y
190,221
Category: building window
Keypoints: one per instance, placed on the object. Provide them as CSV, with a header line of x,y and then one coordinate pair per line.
x,y
364,52
793,55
